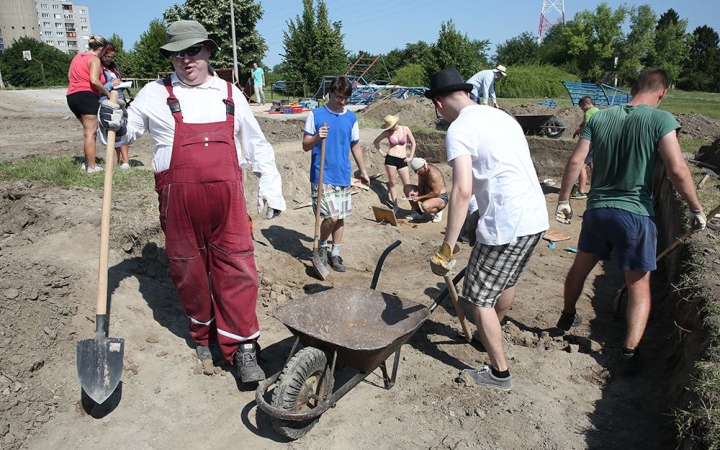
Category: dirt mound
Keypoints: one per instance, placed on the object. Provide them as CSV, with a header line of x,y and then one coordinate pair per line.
x,y
418,112
698,127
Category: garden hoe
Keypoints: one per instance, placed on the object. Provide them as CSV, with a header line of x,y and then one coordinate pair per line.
x,y
100,360
317,263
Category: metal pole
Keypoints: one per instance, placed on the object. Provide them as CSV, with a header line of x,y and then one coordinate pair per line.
x,y
234,46
42,69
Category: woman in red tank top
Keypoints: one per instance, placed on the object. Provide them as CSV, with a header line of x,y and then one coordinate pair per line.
x,y
84,89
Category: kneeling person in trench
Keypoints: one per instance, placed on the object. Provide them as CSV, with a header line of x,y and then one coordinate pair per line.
x,y
429,193
203,128
490,158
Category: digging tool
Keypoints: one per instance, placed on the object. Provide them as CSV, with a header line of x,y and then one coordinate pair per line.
x,y
458,308
681,240
320,268
100,360
708,173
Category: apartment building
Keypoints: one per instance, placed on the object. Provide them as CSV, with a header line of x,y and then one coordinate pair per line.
x,y
62,24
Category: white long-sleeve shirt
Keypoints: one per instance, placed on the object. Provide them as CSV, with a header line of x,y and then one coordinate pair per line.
x,y
204,104
484,85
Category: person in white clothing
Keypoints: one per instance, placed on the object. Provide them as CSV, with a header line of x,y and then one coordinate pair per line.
x,y
490,158
483,84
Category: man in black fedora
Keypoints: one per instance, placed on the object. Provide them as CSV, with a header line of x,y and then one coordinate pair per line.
x,y
490,157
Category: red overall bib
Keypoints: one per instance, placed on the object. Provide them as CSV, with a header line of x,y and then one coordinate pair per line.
x,y
207,237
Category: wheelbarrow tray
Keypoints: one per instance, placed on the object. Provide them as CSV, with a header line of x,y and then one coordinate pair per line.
x,y
363,325
546,124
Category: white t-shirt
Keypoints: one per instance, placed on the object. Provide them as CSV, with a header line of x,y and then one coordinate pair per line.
x,y
509,197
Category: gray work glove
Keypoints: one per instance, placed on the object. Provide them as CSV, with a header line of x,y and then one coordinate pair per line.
x,y
113,116
698,221
563,212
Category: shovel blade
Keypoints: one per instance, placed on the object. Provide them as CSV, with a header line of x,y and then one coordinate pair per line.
x,y
319,267
100,366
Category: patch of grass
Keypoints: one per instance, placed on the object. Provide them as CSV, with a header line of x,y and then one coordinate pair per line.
x,y
683,102
66,173
691,145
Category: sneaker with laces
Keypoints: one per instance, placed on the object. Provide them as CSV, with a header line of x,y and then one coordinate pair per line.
x,y
437,217
578,195
336,263
246,363
415,215
125,166
271,213
484,377
94,169
83,167
565,322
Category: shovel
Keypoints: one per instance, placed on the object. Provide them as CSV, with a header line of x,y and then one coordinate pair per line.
x,y
320,268
100,360
458,307
617,301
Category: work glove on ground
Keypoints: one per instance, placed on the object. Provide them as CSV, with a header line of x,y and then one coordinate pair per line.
x,y
563,212
444,260
113,116
698,221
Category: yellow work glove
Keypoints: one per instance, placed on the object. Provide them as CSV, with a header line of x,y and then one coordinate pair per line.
x,y
444,260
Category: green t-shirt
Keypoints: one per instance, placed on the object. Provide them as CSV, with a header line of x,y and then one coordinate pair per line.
x,y
625,144
589,113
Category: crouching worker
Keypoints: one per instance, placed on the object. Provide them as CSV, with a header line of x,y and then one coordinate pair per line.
x,y
199,124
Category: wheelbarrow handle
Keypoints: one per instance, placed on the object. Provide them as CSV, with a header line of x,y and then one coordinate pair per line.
x,y
378,267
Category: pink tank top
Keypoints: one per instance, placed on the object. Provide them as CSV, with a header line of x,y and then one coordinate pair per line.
x,y
80,75
401,141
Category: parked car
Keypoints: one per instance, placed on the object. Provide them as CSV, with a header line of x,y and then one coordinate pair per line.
x,y
279,85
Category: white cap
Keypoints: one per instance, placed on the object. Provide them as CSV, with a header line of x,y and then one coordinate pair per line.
x,y
417,163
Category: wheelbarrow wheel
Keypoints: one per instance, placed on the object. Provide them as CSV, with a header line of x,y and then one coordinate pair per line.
x,y
302,385
554,128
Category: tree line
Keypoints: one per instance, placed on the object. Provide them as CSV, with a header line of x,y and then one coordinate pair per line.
x,y
591,47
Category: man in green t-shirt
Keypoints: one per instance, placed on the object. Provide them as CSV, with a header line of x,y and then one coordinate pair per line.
x,y
625,141
589,109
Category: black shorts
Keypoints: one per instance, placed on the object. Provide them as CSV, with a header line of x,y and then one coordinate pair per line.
x,y
83,103
395,161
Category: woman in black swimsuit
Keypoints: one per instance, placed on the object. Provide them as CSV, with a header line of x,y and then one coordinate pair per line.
x,y
396,158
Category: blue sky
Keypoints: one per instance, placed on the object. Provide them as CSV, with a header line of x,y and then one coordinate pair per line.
x,y
379,26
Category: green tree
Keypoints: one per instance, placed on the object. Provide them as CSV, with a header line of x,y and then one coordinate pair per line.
x,y
703,67
522,49
412,75
672,44
454,49
215,17
638,43
412,54
20,73
587,44
145,60
122,57
313,46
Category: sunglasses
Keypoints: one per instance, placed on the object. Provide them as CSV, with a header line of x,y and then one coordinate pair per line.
x,y
111,58
190,51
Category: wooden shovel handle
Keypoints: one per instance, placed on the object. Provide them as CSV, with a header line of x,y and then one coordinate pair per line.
x,y
319,192
458,308
105,221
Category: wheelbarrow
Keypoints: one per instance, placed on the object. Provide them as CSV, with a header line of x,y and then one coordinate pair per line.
x,y
543,124
354,327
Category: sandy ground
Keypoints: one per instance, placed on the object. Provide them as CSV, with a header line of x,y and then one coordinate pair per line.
x,y
568,392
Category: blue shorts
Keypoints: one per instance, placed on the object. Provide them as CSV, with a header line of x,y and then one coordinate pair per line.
x,y
633,238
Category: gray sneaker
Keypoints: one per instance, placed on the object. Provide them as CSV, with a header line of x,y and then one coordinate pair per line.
x,y
565,322
323,255
246,363
336,263
484,377
203,353
271,213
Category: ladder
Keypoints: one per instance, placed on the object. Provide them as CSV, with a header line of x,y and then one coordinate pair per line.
x,y
361,66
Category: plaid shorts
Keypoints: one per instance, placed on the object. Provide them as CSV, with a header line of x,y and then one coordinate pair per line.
x,y
494,268
336,201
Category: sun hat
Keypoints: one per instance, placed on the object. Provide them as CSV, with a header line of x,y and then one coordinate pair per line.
x,y
390,122
500,68
417,163
183,34
446,81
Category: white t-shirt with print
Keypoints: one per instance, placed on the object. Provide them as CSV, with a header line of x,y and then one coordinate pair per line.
x,y
506,187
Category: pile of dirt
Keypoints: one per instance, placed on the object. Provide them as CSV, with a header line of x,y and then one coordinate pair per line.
x,y
698,127
414,111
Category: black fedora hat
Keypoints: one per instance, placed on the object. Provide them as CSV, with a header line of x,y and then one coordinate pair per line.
x,y
446,81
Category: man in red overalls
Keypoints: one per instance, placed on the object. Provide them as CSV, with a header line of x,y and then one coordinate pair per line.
x,y
201,127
